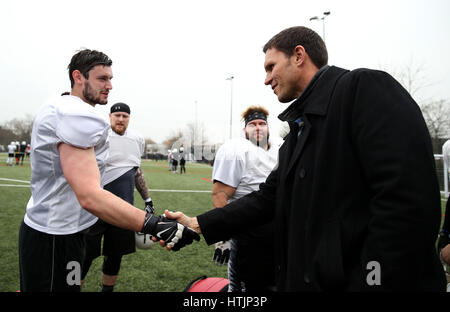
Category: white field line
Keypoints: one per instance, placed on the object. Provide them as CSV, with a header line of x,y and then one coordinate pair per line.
x,y
179,191
152,190
12,180
12,185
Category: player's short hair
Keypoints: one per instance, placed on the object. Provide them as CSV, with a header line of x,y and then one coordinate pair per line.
x,y
84,60
286,41
254,110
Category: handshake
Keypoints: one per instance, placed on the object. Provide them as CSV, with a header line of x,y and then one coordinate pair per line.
x,y
169,231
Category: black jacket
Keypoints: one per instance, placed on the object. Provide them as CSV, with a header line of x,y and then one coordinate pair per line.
x,y
358,185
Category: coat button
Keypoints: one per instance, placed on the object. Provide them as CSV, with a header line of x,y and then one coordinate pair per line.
x,y
302,173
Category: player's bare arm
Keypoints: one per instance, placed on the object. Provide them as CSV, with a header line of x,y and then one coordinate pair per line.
x,y
81,172
221,193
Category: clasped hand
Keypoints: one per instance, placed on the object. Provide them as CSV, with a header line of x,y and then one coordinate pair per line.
x,y
168,231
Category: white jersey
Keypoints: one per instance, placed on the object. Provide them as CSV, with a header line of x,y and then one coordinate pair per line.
x,y
11,149
241,164
53,207
125,152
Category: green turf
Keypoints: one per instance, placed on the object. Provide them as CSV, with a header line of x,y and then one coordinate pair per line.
x,y
154,270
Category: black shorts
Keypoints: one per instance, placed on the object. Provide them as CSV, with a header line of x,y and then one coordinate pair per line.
x,y
50,262
116,241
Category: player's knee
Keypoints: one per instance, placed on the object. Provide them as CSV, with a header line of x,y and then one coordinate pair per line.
x,y
111,265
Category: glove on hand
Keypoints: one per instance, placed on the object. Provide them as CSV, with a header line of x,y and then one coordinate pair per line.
x,y
222,252
174,234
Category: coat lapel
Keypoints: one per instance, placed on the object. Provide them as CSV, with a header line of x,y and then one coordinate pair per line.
x,y
301,140
315,101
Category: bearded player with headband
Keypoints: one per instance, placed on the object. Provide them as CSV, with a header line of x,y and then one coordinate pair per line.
x,y
240,166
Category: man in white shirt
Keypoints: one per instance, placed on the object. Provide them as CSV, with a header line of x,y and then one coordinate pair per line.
x,y
69,149
122,175
240,165
11,150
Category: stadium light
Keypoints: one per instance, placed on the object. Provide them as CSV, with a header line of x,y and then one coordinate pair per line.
x,y
231,104
316,18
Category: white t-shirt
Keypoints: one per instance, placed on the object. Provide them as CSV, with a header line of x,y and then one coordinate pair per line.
x,y
241,164
11,149
53,207
125,152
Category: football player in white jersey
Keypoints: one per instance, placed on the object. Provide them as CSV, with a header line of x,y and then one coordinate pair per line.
x,y
11,150
240,166
69,149
123,173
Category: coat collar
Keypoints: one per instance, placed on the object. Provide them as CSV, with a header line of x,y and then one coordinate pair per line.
x,y
324,80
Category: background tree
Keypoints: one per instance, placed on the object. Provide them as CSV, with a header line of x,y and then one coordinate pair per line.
x,y
17,129
436,111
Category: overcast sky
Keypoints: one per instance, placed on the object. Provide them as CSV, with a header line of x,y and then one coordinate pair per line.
x,y
171,57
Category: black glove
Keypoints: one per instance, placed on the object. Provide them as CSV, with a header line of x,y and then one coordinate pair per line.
x,y
222,252
174,234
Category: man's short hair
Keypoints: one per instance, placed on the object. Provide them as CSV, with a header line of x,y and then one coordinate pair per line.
x,y
286,41
85,60
253,111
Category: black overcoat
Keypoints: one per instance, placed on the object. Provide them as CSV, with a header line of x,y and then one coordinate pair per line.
x,y
355,196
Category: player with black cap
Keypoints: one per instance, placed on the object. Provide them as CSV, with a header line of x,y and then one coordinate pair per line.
x,y
122,175
240,166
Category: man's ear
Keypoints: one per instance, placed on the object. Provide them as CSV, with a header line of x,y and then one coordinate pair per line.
x,y
299,54
77,77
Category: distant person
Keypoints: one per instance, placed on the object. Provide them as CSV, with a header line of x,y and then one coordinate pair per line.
x,y
69,149
17,152
122,175
182,165
354,196
169,160
27,151
11,150
240,166
23,147
174,160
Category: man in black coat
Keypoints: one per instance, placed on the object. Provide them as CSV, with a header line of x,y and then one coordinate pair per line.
x,y
355,196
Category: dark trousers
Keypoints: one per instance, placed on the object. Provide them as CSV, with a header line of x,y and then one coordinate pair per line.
x,y
50,263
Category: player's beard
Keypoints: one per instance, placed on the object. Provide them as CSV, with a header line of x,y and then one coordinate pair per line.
x,y
116,130
263,142
92,96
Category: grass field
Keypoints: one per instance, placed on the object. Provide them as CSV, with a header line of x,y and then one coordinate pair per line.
x,y
154,270
144,271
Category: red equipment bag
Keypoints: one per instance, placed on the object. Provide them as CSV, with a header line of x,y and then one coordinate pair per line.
x,y
208,284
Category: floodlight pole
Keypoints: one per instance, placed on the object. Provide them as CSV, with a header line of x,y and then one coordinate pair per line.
x,y
231,104
316,18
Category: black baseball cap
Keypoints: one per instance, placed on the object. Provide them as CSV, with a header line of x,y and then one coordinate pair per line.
x,y
120,107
